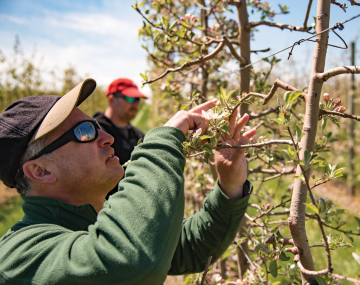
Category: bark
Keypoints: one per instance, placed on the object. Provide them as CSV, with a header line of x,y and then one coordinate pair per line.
x,y
243,17
297,210
351,142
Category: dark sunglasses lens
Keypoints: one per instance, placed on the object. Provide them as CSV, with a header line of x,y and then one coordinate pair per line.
x,y
85,131
131,99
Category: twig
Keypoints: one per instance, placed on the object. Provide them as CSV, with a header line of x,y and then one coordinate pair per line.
x,y
347,116
337,229
337,276
206,270
336,71
278,25
307,13
353,2
260,50
256,145
268,211
248,258
308,272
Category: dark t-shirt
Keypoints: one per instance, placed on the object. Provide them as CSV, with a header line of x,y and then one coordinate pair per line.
x,y
126,139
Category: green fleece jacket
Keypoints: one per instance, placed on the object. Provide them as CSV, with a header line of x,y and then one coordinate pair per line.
x,y
139,236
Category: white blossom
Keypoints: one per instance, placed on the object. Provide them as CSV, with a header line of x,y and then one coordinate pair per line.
x,y
197,133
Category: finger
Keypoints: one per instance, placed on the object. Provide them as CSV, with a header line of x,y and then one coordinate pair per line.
x,y
232,125
198,121
204,107
249,134
240,125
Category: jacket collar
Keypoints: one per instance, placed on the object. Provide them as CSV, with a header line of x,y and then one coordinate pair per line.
x,y
40,210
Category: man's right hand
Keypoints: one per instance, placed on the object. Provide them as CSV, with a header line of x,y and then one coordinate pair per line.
x,y
191,120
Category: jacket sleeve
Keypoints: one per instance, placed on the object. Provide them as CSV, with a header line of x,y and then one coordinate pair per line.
x,y
134,238
209,232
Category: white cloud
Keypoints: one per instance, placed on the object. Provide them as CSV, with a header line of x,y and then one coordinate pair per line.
x,y
16,20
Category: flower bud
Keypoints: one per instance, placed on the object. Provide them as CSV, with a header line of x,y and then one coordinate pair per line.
x,y
268,205
193,17
337,101
187,16
182,19
337,109
342,109
326,96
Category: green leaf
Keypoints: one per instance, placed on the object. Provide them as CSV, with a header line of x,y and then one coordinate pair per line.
x,y
312,207
291,96
139,141
283,256
206,137
358,221
223,93
356,257
320,281
334,120
145,77
278,121
273,268
173,25
230,93
142,4
225,129
183,107
336,212
206,157
323,123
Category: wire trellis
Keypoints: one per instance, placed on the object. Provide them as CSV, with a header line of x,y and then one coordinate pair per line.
x,y
339,26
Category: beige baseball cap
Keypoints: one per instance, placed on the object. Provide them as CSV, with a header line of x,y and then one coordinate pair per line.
x,y
63,107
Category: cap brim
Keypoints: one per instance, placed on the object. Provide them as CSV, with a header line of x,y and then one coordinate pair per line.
x,y
63,108
133,92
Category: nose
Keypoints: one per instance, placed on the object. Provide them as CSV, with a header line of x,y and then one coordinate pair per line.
x,y
104,138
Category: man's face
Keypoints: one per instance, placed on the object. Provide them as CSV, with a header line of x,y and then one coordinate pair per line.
x,y
88,168
124,110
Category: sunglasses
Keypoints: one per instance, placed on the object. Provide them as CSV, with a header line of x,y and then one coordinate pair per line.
x,y
83,132
131,100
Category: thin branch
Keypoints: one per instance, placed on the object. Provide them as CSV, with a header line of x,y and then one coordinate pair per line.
x,y
206,270
353,2
336,71
307,13
337,276
278,25
268,211
256,145
347,116
260,50
234,53
271,171
342,6
337,229
200,60
308,272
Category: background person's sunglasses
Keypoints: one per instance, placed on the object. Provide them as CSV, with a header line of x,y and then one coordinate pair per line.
x,y
127,99
83,132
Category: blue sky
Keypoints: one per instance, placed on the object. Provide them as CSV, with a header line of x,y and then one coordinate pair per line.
x,y
100,38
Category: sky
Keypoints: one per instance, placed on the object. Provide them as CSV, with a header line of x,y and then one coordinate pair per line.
x,y
100,37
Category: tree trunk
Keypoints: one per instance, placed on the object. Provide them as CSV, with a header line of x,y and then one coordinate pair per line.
x,y
297,210
244,32
351,110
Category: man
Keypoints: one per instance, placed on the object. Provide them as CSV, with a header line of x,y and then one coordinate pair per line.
x,y
63,165
123,101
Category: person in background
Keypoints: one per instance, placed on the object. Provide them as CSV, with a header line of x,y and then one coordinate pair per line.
x,y
123,101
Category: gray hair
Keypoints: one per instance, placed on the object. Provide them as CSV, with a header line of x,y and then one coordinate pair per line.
x,y
22,182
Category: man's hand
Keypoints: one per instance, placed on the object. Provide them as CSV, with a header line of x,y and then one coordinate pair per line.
x,y
191,120
231,163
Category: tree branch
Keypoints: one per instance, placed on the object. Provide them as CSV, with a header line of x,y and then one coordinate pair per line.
x,y
278,25
266,112
336,71
353,2
256,145
307,14
347,116
268,211
260,50
234,53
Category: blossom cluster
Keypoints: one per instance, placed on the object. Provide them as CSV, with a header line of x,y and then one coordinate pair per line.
x,y
332,104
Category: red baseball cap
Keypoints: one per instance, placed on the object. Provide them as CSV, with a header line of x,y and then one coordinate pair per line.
x,y
126,87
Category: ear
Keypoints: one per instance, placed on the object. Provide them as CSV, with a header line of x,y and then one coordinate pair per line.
x,y
36,171
110,98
